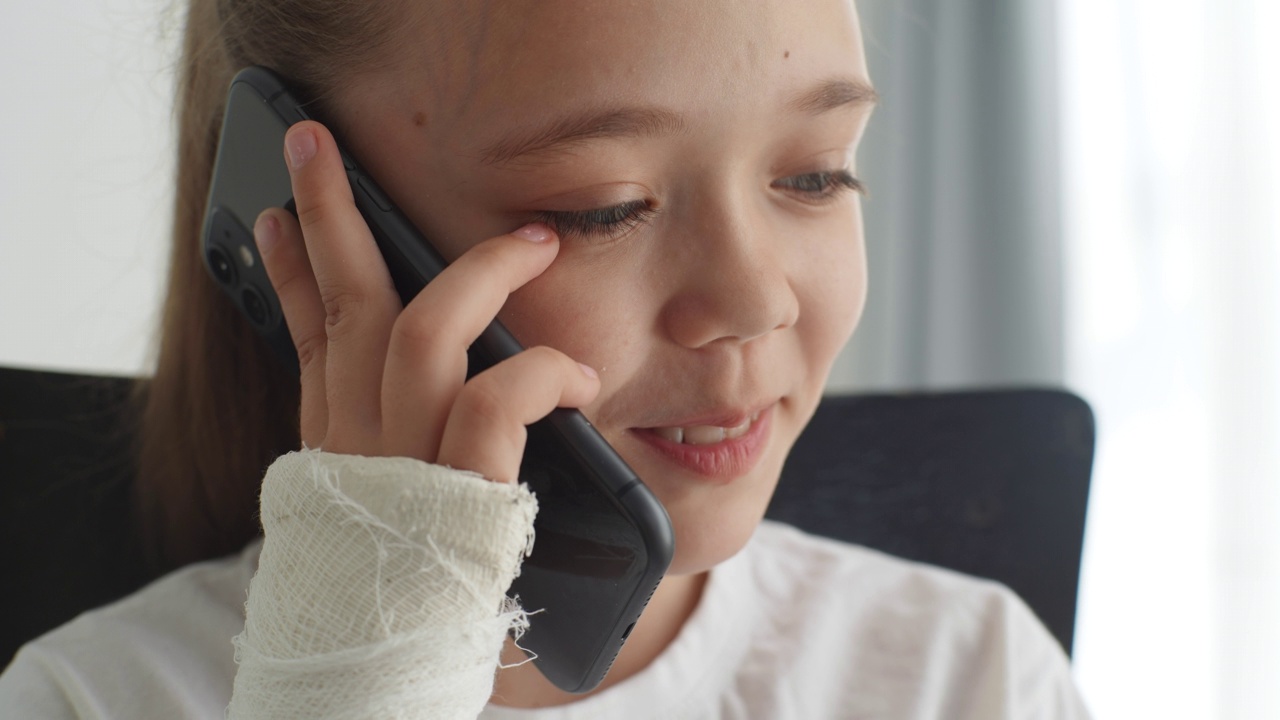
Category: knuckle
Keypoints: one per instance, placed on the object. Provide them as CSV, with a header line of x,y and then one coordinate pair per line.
x,y
313,214
482,403
310,348
286,282
342,311
422,344
413,338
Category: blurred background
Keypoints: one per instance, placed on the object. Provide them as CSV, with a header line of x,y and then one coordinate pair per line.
x,y
1063,192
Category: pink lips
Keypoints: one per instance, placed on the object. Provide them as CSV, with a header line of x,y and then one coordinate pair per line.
x,y
719,462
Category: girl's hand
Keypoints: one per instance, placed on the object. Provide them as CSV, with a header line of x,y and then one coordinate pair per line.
x,y
380,380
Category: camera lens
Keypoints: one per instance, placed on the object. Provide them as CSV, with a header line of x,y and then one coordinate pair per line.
x,y
223,269
255,306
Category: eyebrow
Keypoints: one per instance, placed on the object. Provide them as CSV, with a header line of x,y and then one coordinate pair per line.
x,y
586,125
833,94
626,122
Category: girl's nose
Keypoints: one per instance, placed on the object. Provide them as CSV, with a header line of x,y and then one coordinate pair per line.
x,y
734,285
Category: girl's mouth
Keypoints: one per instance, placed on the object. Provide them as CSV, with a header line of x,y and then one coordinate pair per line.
x,y
705,434
716,452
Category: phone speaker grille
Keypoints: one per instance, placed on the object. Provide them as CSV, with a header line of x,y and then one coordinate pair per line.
x,y
630,627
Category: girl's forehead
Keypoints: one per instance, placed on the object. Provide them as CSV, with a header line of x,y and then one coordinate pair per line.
x,y
482,58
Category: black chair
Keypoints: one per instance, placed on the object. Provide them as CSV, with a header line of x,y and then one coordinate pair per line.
x,y
989,483
66,529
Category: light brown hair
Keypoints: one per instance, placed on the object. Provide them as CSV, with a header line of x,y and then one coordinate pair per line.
x,y
219,407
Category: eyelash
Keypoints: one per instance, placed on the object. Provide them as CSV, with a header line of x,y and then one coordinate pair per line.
x,y
616,221
608,222
829,185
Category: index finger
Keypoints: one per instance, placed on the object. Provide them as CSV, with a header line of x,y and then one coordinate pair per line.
x,y
355,287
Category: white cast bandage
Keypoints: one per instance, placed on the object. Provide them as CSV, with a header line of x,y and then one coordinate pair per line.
x,y
380,591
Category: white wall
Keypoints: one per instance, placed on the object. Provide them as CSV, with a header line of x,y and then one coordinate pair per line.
x,y
85,148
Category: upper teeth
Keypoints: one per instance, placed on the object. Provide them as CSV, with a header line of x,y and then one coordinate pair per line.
x,y
705,434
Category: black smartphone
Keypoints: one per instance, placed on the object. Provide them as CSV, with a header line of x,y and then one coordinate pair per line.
x,y
603,541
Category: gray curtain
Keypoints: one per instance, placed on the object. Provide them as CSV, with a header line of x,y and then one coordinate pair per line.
x,y
963,222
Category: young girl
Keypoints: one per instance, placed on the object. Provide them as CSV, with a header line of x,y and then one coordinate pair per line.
x,y
658,198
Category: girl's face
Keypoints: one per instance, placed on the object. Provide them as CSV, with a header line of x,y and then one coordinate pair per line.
x,y
697,160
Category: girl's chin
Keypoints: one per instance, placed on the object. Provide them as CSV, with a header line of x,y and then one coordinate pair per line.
x,y
707,537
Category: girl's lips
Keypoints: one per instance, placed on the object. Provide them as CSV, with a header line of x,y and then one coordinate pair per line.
x,y
720,461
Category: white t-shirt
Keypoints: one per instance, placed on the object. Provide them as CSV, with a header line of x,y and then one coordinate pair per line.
x,y
794,626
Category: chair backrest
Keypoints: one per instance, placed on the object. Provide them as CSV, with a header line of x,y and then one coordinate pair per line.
x,y
989,483
993,483
67,540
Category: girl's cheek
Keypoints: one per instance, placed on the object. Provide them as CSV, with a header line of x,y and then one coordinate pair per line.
x,y
837,286
574,312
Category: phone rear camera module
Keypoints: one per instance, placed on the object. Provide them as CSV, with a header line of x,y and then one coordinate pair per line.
x,y
255,306
223,269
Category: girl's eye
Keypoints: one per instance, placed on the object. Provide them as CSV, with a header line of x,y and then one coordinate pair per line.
x,y
616,221
821,186
607,223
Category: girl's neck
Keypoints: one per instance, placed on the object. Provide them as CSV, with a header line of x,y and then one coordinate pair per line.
x,y
674,601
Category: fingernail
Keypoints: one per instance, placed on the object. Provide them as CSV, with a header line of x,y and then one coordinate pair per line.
x,y
266,232
590,371
535,232
301,146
